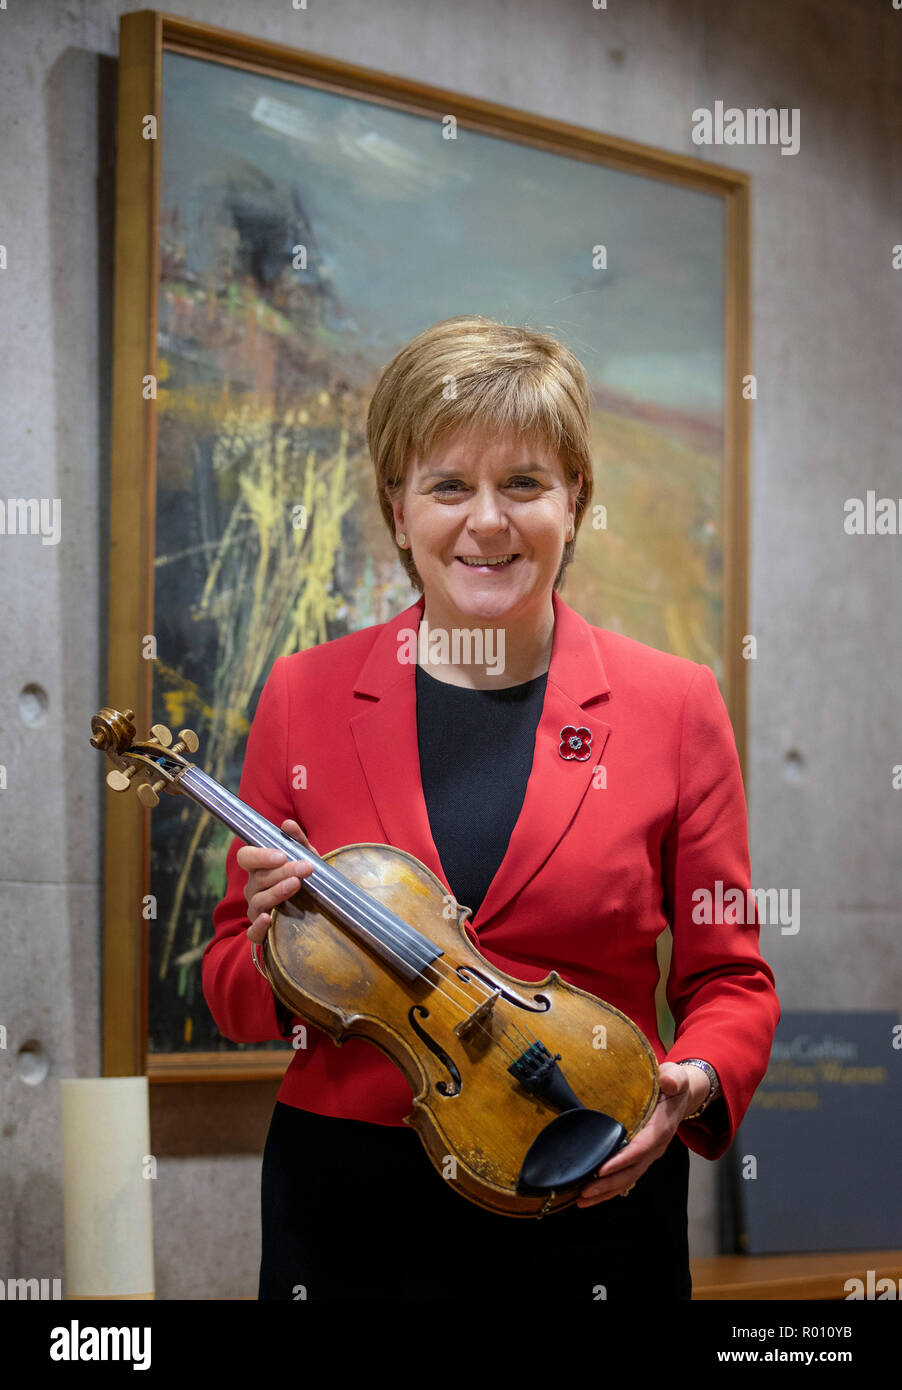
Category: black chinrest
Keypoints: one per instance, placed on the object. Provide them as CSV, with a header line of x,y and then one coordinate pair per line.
x,y
569,1148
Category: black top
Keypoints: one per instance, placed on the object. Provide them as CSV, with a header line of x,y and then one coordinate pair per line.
x,y
476,753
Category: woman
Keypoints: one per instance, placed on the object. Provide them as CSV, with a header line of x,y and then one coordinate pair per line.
x,y
571,858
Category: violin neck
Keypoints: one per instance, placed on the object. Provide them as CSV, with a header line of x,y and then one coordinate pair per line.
x,y
249,825
393,940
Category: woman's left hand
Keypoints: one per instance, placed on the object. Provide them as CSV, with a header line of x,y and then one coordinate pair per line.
x,y
682,1091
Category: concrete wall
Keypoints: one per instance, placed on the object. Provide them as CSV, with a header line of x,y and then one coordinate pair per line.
x,y
825,607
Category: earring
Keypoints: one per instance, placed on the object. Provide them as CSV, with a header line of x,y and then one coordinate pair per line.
x,y
570,533
402,539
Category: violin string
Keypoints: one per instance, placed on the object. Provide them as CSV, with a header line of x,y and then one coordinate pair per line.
x,y
369,911
442,973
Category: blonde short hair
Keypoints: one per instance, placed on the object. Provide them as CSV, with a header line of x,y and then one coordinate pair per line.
x,y
503,378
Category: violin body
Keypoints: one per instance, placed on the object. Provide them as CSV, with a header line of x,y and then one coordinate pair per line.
x,y
520,1090
476,1122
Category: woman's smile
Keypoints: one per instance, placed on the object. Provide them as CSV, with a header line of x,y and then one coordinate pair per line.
x,y
487,564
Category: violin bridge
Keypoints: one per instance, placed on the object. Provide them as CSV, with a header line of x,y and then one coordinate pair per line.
x,y
479,1014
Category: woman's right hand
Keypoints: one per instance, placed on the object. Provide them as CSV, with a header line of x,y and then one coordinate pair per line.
x,y
271,878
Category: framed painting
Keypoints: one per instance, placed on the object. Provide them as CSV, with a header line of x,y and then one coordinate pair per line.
x,y
285,223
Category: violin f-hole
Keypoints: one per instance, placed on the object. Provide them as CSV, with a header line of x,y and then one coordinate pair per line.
x,y
444,1088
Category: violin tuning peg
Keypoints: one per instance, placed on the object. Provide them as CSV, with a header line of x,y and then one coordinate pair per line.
x,y
189,739
147,796
119,781
161,734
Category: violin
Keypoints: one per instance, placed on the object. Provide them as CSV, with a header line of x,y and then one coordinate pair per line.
x,y
520,1090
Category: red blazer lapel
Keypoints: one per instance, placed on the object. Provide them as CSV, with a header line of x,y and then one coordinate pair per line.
x,y
385,733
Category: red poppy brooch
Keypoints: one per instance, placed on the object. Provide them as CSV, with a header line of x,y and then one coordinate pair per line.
x,y
575,743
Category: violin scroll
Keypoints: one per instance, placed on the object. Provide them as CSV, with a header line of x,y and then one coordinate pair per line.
x,y
113,730
157,757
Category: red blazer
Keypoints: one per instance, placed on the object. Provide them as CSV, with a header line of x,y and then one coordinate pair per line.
x,y
592,875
